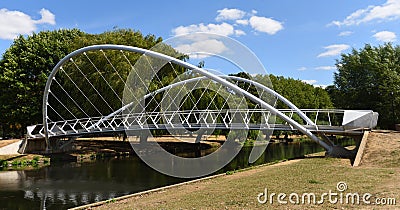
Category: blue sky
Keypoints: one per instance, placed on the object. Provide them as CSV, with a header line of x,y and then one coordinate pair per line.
x,y
299,39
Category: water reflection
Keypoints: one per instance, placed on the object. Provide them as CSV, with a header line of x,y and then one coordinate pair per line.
x,y
66,185
12,180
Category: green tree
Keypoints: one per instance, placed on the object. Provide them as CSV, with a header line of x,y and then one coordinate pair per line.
x,y
369,78
301,94
24,68
106,70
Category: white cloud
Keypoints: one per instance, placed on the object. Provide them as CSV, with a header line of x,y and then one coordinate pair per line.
x,y
333,50
14,23
325,68
47,17
311,81
266,25
345,33
385,36
224,29
239,33
302,68
198,48
237,21
320,86
242,22
229,14
385,12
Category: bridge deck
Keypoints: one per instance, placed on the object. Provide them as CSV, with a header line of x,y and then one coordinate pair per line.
x,y
324,121
328,130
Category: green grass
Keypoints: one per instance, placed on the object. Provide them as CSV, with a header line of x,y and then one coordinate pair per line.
x,y
240,189
23,162
313,181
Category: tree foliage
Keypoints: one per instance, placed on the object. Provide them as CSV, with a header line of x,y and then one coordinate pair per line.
x,y
369,78
24,68
301,94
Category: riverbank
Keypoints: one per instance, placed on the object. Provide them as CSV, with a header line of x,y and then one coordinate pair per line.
x,y
91,149
99,148
379,175
23,162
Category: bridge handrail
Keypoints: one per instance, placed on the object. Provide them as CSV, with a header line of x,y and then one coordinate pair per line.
x,y
337,111
95,120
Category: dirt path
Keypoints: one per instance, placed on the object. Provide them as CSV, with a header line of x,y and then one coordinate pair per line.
x,y
11,149
7,142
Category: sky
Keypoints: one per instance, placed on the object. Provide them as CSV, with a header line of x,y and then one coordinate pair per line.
x,y
291,38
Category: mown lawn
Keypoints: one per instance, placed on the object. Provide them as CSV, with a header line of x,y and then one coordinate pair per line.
x,y
311,175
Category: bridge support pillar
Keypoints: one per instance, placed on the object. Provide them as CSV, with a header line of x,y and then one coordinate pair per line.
x,y
338,151
53,146
200,135
358,140
143,137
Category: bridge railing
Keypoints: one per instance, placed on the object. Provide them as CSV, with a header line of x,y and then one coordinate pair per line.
x,y
190,119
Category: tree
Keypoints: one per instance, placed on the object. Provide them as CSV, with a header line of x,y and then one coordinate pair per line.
x,y
301,94
24,68
106,81
369,78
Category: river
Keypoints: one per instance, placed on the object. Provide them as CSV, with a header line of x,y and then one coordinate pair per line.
x,y
65,185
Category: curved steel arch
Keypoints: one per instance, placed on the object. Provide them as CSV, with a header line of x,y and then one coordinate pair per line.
x,y
257,84
194,68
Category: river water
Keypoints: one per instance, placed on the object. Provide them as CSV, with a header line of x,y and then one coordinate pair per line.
x,y
65,185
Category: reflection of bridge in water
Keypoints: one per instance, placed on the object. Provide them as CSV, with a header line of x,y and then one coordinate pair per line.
x,y
100,89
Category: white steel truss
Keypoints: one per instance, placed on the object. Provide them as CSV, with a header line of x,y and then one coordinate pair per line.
x,y
83,96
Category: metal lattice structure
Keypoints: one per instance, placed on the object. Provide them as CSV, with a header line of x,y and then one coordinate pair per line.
x,y
111,88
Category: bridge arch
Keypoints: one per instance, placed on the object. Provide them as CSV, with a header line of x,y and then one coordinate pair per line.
x,y
168,59
256,84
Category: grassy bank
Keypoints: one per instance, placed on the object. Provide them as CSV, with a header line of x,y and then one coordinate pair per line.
x,y
23,162
379,175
